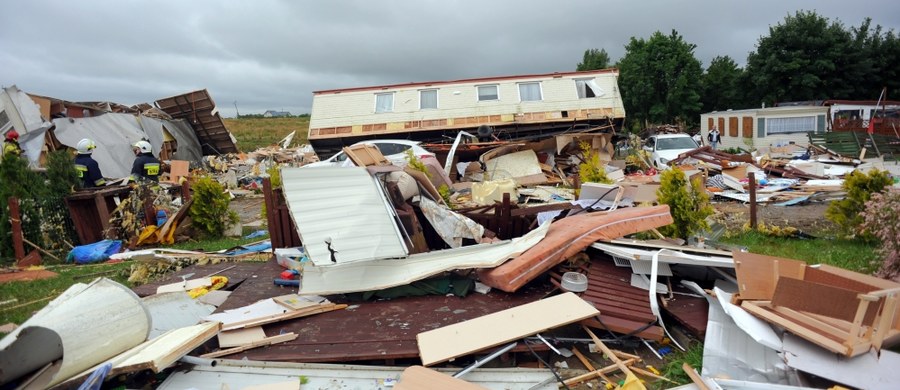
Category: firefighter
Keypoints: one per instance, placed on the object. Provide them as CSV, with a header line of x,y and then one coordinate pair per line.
x,y
87,168
145,167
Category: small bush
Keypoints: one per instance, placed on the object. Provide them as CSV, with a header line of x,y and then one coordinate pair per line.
x,y
416,164
590,170
210,212
882,220
859,186
689,205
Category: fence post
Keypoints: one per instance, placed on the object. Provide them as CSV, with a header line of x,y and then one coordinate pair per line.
x,y
752,185
15,219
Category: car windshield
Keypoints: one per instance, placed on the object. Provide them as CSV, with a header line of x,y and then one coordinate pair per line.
x,y
675,143
389,149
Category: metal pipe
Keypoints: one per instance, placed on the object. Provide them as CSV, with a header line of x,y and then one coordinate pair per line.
x,y
197,361
479,363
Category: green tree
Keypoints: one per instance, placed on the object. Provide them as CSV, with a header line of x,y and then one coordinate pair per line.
x,y
807,57
27,187
660,80
688,204
594,59
209,212
721,85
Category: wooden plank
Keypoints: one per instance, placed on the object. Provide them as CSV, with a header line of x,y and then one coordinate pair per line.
x,y
238,337
759,309
418,377
266,341
459,339
610,354
758,274
285,316
364,155
163,351
184,286
695,377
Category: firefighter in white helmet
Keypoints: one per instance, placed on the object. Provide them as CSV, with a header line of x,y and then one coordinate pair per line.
x,y
86,167
146,166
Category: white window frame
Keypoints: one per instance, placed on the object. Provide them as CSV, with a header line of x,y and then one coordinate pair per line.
x,y
540,91
478,92
598,92
389,109
437,101
791,125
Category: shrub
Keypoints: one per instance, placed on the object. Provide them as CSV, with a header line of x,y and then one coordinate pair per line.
x,y
590,170
210,212
26,185
689,205
416,164
859,186
881,219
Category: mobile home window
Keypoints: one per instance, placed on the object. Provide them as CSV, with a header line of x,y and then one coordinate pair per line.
x,y
384,102
488,92
428,99
587,88
791,125
530,92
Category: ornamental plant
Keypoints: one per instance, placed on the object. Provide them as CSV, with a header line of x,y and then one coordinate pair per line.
x,y
882,220
590,170
210,212
845,213
688,204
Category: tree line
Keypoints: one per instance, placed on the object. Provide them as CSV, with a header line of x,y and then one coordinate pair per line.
x,y
806,57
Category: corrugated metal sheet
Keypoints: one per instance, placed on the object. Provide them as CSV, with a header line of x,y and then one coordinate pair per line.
x,y
377,275
199,110
345,205
237,374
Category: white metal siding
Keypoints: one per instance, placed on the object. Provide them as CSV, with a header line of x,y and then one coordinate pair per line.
x,y
760,142
345,205
461,100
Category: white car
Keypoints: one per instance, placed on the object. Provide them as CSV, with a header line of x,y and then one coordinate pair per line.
x,y
392,149
666,147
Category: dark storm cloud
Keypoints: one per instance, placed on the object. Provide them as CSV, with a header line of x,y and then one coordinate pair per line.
x,y
273,54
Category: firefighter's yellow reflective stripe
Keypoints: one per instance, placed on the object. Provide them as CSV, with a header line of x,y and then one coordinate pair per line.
x,y
152,169
80,170
99,182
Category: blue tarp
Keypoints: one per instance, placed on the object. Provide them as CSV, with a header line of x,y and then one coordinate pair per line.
x,y
94,253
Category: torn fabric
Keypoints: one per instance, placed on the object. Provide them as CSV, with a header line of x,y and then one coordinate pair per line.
x,y
451,226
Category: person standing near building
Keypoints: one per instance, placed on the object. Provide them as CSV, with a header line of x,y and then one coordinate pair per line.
x,y
11,143
713,137
87,168
145,166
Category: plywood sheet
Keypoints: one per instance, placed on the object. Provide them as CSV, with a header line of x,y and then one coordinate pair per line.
x,y
821,299
364,155
758,274
456,340
418,377
179,169
238,337
294,301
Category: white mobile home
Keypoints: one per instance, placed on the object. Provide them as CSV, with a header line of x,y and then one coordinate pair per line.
x,y
510,107
765,127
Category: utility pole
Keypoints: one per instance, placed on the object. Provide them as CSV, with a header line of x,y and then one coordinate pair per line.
x,y
238,113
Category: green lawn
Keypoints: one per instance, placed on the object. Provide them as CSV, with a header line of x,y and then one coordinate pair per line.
x,y
855,255
30,295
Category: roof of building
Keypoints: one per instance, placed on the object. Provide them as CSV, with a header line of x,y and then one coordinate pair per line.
x,y
461,81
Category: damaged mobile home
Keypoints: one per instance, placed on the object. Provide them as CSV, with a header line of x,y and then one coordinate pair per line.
x,y
183,127
508,107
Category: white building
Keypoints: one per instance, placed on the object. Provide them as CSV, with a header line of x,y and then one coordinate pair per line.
x,y
765,127
512,107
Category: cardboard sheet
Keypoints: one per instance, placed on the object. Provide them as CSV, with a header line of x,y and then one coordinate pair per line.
x,y
494,329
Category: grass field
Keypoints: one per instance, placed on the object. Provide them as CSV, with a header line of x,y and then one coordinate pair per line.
x,y
855,255
254,133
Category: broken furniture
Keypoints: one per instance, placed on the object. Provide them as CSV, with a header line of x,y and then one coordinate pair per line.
x,y
90,211
843,311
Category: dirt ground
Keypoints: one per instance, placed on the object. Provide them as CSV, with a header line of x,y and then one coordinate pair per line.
x,y
808,218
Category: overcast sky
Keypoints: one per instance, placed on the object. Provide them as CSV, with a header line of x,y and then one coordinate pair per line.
x,y
270,54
